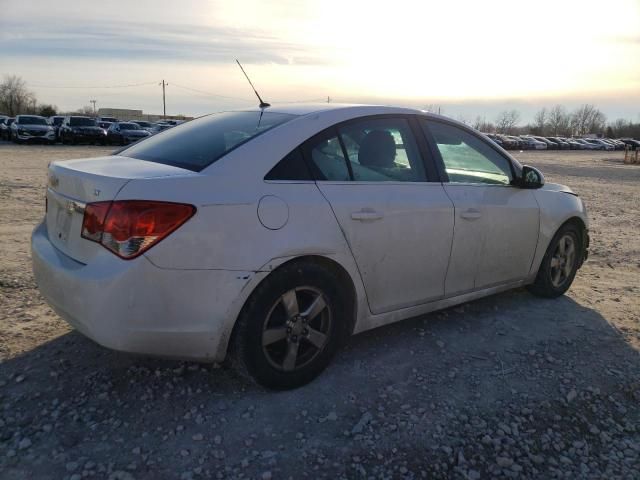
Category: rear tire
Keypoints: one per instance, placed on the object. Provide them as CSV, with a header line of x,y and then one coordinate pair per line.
x,y
290,327
560,263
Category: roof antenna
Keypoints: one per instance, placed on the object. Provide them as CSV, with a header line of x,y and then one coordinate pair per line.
x,y
263,104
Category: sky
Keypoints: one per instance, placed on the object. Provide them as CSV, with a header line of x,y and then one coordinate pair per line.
x,y
468,57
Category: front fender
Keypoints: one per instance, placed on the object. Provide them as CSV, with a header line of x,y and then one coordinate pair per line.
x,y
558,204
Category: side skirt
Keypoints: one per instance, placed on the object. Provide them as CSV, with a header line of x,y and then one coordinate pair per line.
x,y
374,321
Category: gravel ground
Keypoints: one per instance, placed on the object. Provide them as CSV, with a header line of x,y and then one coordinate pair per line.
x,y
510,386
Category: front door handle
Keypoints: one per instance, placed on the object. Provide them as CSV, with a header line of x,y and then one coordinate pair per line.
x,y
471,214
366,215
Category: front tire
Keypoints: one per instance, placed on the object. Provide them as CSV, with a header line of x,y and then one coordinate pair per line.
x,y
560,263
291,326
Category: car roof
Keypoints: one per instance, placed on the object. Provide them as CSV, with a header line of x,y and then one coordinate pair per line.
x,y
309,108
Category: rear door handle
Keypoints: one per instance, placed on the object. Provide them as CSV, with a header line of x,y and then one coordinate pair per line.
x,y
471,214
366,215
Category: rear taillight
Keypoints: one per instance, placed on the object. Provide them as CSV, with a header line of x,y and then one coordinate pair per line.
x,y
130,227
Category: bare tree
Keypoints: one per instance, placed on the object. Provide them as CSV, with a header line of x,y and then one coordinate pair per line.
x,y
507,121
559,122
47,110
86,111
481,124
15,98
539,126
587,119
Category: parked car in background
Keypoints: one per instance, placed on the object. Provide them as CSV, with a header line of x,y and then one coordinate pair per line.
x,y
160,126
123,133
148,126
275,234
107,119
507,142
32,128
632,143
572,143
495,138
104,125
5,128
599,143
520,144
76,129
587,145
550,145
56,122
533,144
563,144
618,144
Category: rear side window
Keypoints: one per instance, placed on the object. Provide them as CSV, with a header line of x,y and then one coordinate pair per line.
x,y
382,150
326,158
197,144
291,167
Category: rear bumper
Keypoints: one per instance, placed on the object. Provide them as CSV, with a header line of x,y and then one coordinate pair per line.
x,y
136,307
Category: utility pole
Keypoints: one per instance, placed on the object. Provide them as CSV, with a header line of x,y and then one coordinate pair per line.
x,y
94,106
164,103
328,99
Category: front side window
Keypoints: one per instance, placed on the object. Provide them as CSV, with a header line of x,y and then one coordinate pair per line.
x,y
197,144
467,158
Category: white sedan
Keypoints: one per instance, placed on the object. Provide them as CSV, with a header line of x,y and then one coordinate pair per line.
x,y
270,235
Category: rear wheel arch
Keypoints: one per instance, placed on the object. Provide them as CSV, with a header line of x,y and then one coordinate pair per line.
x,y
346,283
246,357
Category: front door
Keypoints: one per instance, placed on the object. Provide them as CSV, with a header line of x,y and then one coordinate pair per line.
x,y
398,225
496,224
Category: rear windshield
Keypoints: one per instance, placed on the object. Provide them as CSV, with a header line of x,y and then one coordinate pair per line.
x,y
32,121
143,124
82,122
58,120
129,126
197,144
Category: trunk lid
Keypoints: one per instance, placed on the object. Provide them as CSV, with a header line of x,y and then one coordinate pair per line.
x,y
74,183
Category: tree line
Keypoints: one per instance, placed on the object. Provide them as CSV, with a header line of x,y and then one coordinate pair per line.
x,y
557,121
16,99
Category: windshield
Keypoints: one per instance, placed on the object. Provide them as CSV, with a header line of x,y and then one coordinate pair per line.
x,y
58,120
82,122
197,144
129,126
32,121
143,124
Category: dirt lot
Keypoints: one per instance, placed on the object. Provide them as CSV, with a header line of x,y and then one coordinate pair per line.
x,y
511,386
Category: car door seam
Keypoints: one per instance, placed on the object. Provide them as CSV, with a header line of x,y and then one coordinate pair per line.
x,y
346,239
453,235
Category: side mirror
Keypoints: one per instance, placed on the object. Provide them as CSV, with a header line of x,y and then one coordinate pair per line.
x,y
531,177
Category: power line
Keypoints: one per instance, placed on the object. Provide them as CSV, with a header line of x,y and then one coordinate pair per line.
x,y
202,92
92,86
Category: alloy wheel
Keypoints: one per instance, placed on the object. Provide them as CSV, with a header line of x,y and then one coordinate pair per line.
x,y
296,329
563,260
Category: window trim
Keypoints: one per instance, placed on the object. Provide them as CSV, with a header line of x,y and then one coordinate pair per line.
x,y
426,131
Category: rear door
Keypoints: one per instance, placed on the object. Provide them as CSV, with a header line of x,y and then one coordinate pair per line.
x,y
496,224
398,224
